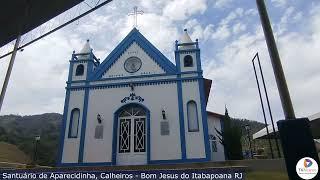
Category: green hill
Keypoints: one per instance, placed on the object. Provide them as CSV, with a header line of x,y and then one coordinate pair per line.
x,y
11,153
21,130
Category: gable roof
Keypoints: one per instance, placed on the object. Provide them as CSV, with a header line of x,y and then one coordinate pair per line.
x,y
207,88
215,114
151,50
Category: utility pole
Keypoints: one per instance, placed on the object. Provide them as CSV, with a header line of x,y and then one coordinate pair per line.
x,y
14,52
295,134
6,80
276,62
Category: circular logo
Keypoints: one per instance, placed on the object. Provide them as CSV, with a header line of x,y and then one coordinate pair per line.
x,y
307,168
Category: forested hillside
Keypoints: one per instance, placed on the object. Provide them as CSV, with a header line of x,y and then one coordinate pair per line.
x,y
21,130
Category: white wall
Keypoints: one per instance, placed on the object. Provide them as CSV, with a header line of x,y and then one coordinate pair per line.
x,y
156,97
106,101
71,145
214,122
133,79
149,66
194,140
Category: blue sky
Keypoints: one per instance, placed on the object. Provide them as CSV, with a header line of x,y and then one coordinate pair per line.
x,y
229,34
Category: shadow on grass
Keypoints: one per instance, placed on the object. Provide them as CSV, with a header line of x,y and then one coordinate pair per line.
x,y
266,175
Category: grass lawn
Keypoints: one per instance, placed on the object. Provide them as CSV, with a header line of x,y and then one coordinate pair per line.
x,y
11,153
266,175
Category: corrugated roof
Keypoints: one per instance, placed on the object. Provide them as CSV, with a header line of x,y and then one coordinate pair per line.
x,y
12,15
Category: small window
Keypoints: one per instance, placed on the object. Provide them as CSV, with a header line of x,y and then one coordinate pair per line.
x,y
74,123
192,113
188,61
213,143
80,70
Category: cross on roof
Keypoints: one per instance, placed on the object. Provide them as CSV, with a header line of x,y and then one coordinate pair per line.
x,y
135,14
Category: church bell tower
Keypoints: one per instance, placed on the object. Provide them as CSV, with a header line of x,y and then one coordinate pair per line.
x,y
187,54
82,64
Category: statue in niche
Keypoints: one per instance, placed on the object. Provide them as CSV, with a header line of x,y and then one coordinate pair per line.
x,y
98,134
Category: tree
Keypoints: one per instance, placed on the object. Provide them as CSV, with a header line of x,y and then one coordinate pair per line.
x,y
230,138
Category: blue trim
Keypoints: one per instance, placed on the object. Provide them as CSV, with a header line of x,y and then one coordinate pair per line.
x,y
188,118
204,119
177,58
170,161
90,65
181,120
187,44
115,132
63,127
71,123
198,60
80,61
178,161
85,164
83,125
114,138
180,104
147,82
188,52
184,51
70,71
65,116
134,36
131,77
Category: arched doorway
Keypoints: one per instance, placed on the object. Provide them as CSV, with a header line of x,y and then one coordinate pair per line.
x,y
132,135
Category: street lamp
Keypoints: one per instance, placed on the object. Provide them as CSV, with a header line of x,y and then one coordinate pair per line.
x,y
248,134
36,140
164,117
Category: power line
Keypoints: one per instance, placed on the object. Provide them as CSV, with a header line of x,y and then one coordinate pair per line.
x,y
59,27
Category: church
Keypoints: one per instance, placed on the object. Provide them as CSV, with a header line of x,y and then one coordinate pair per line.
x,y
136,107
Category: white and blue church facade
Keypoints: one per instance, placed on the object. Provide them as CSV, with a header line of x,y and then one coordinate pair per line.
x,y
137,107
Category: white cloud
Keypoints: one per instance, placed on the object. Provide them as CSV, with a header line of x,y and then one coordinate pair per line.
x,y
239,27
182,9
199,32
289,17
38,77
222,3
221,33
40,72
232,16
234,81
279,3
251,12
153,6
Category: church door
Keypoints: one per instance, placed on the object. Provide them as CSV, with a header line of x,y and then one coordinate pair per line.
x,y
132,136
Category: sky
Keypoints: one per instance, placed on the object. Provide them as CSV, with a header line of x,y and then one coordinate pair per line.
x,y
229,33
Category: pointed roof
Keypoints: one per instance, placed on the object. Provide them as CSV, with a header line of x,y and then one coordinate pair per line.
x,y
85,50
152,51
185,38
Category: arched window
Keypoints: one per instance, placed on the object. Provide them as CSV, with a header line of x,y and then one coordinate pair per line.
x,y
192,113
188,61
80,70
74,123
